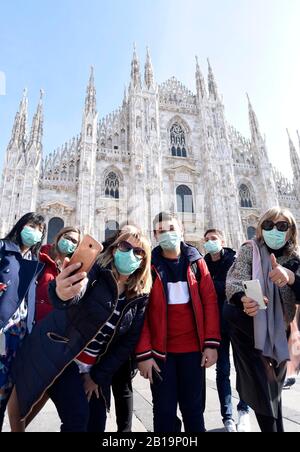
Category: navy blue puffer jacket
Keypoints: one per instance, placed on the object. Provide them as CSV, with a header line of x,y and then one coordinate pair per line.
x,y
59,338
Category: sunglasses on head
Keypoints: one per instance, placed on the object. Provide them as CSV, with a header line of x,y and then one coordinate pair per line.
x,y
125,247
282,226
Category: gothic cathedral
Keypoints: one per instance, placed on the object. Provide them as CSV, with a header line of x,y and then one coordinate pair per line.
x,y
165,148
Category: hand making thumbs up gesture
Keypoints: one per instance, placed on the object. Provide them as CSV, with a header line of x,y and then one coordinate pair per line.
x,y
279,275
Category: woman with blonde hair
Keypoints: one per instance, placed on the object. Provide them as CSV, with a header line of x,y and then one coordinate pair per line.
x,y
260,337
74,352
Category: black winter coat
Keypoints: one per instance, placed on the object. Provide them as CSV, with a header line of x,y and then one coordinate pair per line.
x,y
218,271
59,338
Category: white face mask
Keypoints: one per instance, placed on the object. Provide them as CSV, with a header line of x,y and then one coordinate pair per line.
x,y
169,241
213,246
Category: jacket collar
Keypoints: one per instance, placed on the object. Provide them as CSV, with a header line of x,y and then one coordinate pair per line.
x,y
226,253
44,255
11,247
111,281
190,252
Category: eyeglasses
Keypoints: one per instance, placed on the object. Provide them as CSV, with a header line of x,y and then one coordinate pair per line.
x,y
282,226
125,247
67,237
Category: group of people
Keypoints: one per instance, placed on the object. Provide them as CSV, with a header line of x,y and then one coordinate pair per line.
x,y
169,312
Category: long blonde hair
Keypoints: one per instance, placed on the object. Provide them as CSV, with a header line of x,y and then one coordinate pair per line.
x,y
140,282
273,214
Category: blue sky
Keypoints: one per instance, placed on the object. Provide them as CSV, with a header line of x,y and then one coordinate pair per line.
x,y
253,46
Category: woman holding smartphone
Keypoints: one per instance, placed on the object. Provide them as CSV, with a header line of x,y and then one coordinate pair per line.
x,y
76,349
260,336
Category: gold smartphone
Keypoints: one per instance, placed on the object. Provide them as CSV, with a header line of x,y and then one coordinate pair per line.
x,y
86,253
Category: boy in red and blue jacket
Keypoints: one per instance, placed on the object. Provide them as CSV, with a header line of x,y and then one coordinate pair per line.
x,y
181,332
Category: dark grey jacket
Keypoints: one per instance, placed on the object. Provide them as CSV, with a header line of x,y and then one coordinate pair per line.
x,y
58,339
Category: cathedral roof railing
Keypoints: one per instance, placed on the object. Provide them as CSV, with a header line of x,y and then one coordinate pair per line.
x,y
173,94
112,154
285,187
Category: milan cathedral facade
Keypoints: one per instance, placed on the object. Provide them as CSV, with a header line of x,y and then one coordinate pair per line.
x,y
165,148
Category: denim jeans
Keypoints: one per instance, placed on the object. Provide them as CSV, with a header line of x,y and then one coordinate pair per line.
x,y
183,382
223,378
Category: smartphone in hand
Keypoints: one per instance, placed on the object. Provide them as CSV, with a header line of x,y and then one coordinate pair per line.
x,y
254,291
86,253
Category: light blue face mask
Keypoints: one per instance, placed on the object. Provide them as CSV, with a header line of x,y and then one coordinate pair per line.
x,y
30,237
213,246
169,241
126,262
275,239
66,246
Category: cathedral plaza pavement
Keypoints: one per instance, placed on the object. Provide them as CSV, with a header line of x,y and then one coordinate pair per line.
x,y
47,420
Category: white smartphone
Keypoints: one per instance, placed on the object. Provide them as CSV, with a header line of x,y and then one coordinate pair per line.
x,y
254,291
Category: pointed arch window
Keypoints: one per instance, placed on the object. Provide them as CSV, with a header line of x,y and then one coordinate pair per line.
x,y
111,229
72,170
116,141
112,186
123,138
54,226
109,143
246,199
138,122
251,232
178,141
184,197
89,130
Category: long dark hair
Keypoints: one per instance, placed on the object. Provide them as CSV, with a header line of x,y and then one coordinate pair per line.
x,y
15,234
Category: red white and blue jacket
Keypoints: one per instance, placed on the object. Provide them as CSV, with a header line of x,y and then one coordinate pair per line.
x,y
153,340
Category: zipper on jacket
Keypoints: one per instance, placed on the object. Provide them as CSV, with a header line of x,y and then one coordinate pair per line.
x,y
108,344
194,311
62,371
166,305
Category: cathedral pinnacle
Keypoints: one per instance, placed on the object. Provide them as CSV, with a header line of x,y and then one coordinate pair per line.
x,y
200,82
149,73
136,82
295,159
254,125
212,85
90,100
20,125
36,133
